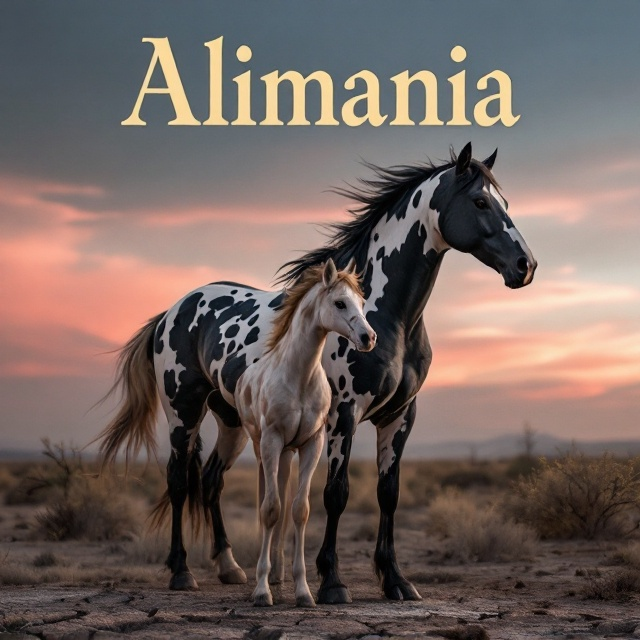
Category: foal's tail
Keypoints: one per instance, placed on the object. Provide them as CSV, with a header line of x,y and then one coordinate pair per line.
x,y
134,425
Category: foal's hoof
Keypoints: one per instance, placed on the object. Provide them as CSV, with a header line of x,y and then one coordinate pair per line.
x,y
263,600
338,594
233,576
183,581
305,601
402,591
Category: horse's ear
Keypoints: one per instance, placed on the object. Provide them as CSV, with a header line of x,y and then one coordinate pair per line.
x,y
464,159
351,267
489,162
330,273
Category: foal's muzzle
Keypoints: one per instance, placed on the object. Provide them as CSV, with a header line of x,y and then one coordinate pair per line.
x,y
366,341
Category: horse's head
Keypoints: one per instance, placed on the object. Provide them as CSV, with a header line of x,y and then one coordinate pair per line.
x,y
341,306
473,219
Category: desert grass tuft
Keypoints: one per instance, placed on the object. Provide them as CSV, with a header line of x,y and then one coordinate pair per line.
x,y
90,511
478,534
618,585
46,559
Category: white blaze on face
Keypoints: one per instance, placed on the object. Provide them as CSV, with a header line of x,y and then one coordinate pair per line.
x,y
498,196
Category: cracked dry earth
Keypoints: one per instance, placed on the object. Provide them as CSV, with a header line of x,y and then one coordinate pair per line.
x,y
540,599
479,610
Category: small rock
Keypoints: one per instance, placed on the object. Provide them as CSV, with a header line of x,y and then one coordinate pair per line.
x,y
519,585
617,626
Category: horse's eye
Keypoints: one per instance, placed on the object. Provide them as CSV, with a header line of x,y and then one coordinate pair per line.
x,y
481,203
340,305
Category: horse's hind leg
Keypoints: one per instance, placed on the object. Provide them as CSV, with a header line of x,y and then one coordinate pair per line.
x,y
309,456
230,443
276,575
185,419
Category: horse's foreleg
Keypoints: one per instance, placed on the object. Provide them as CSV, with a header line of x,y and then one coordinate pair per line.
x,y
340,429
309,456
177,488
276,575
391,440
271,446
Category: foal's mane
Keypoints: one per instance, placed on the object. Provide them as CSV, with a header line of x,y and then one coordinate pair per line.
x,y
294,294
378,196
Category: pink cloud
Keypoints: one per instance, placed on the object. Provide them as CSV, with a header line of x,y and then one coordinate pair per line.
x,y
55,290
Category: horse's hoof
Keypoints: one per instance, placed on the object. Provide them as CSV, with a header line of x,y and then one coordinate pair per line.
x,y
402,591
338,594
233,576
305,601
263,600
183,581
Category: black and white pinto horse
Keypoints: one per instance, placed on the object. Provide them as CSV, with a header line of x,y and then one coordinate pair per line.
x,y
192,355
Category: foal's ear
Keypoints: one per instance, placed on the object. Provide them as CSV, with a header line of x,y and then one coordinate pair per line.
x,y
351,267
490,160
464,159
330,273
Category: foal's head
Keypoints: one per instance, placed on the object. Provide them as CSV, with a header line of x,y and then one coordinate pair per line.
x,y
337,305
340,305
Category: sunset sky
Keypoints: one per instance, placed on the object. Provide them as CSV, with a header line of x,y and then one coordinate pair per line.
x,y
103,226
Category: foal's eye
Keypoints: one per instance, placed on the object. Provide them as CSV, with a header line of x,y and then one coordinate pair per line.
x,y
340,305
481,203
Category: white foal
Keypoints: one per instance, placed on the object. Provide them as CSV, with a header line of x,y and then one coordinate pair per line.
x,y
283,401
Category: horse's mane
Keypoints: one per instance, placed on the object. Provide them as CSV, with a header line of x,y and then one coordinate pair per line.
x,y
294,294
377,197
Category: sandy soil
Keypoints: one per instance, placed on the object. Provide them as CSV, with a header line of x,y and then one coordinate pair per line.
x,y
103,590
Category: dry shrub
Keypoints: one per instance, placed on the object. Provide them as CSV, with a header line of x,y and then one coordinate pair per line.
x,y
90,511
629,555
579,497
478,534
46,559
615,585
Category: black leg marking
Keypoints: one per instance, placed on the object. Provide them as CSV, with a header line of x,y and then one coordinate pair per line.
x,y
393,583
336,494
213,484
178,489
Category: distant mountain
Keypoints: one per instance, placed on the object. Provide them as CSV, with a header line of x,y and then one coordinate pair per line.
x,y
506,446
20,454
510,445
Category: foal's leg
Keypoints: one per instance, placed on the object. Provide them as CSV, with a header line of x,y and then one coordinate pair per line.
x,y
230,443
340,430
276,575
309,456
271,446
391,440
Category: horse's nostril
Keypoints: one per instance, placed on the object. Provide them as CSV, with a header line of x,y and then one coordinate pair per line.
x,y
364,338
522,264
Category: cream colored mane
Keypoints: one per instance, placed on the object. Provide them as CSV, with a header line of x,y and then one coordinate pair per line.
x,y
295,293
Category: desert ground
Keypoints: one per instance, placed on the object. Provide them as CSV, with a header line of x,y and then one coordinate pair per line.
x,y
76,560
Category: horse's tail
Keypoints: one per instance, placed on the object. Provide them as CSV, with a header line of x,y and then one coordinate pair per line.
x,y
195,499
134,425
